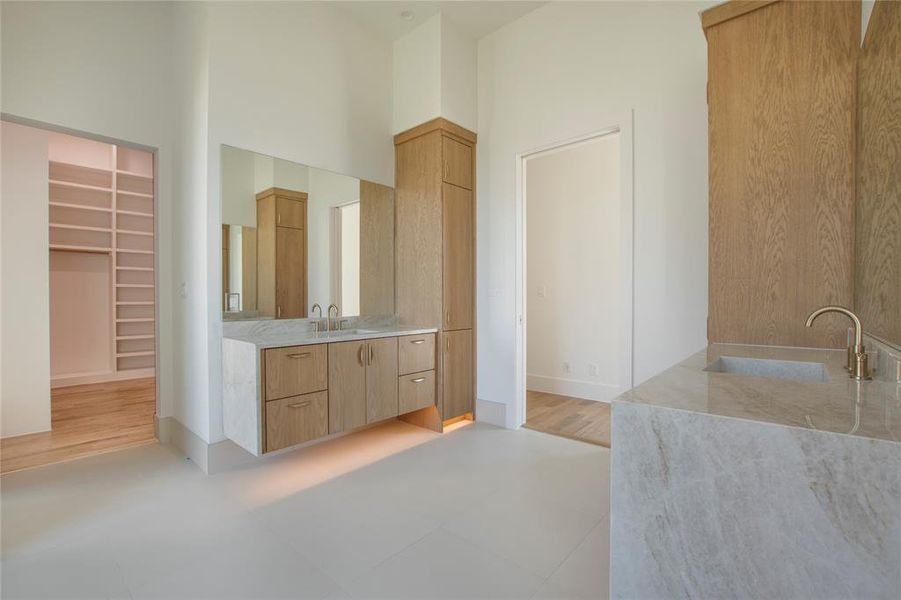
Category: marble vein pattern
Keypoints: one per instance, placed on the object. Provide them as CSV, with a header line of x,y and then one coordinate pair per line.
x,y
302,332
240,394
869,409
706,506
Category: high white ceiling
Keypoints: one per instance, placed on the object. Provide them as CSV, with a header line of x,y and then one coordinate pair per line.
x,y
477,18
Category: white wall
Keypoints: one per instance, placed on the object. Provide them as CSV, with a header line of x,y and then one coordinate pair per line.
x,y
558,73
435,75
573,263
459,67
106,69
298,81
24,282
417,76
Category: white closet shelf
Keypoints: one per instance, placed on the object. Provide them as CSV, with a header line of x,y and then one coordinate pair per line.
x,y
75,248
133,232
133,174
135,303
79,227
149,336
80,186
127,354
134,285
80,206
134,268
130,251
134,213
138,194
142,320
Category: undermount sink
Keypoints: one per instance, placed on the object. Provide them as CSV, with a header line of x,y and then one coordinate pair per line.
x,y
351,331
773,369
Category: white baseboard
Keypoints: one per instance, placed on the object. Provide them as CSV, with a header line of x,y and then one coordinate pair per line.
x,y
171,431
493,413
575,388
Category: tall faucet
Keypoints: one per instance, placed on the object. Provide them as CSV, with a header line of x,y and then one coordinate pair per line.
x,y
319,308
857,356
328,322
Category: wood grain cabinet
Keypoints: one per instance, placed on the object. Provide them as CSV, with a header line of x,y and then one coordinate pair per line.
x,y
295,370
295,420
435,253
781,108
362,383
281,253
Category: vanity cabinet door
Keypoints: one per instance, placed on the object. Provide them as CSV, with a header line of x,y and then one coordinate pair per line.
x,y
347,386
290,264
381,379
457,375
290,213
458,257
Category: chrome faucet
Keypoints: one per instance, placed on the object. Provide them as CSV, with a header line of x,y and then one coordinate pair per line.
x,y
328,322
317,322
857,356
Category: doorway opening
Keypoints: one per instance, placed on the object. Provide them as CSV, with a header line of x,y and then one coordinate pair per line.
x,y
88,207
574,284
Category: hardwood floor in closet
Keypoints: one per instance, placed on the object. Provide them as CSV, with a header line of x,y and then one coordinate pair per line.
x,y
87,420
574,418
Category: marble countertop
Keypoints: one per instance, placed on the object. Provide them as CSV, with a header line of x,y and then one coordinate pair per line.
x,y
869,409
277,339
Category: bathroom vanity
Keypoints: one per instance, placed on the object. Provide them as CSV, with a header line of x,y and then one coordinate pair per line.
x,y
286,384
752,471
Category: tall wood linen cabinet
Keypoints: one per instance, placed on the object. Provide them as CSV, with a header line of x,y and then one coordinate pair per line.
x,y
435,246
281,253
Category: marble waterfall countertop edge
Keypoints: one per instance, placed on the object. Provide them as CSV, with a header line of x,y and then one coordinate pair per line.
x,y
307,338
867,409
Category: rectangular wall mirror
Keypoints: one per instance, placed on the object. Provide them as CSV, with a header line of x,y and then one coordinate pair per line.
x,y
294,237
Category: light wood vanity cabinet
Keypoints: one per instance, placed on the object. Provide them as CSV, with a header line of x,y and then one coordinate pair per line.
x,y
281,253
302,393
435,256
362,383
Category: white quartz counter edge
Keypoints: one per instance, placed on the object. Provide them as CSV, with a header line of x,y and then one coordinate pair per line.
x,y
309,338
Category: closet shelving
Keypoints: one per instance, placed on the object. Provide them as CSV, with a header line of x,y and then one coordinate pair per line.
x,y
101,202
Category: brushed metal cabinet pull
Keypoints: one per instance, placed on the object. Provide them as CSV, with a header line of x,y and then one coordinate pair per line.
x,y
370,353
300,355
278,219
447,318
303,404
278,311
417,380
360,354
417,341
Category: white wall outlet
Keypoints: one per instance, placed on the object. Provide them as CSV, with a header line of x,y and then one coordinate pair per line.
x,y
567,368
542,291
592,369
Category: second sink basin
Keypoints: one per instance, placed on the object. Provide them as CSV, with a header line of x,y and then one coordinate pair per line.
x,y
773,369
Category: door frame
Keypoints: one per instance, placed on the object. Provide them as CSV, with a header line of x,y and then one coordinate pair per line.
x,y
157,272
620,123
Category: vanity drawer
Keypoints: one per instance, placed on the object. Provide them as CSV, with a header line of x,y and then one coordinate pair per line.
x,y
415,353
415,391
296,370
295,420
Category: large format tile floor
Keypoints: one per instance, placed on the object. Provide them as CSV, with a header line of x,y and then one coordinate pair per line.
x,y
479,512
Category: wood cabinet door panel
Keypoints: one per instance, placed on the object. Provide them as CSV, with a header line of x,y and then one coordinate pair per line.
x,y
295,420
457,374
295,370
458,253
290,273
415,391
347,386
457,163
290,213
381,379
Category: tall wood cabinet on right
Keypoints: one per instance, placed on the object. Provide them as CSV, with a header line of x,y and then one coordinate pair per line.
x,y
781,108
435,250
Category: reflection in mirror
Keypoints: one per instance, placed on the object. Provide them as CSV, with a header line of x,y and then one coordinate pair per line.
x,y
877,288
295,236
